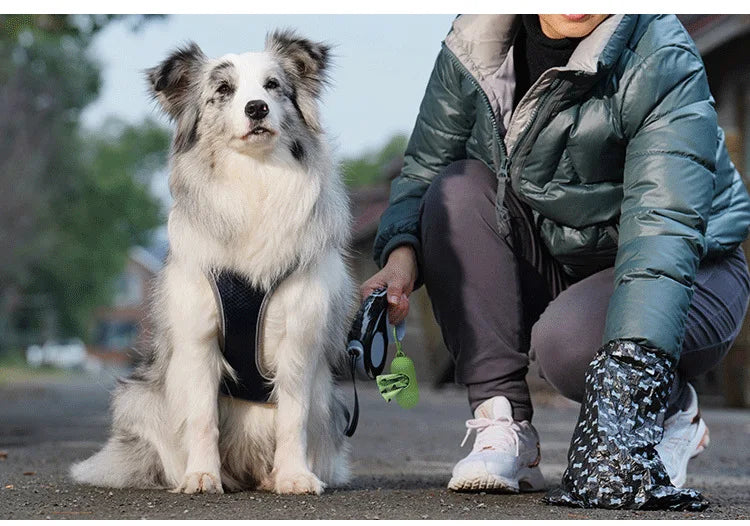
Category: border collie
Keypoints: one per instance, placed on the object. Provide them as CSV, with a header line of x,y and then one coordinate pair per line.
x,y
255,193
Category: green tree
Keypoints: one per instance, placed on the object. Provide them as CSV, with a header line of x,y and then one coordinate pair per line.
x,y
71,203
368,168
107,209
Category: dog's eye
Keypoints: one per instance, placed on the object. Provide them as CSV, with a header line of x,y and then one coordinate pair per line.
x,y
271,84
224,89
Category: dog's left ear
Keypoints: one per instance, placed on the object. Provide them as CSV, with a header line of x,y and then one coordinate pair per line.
x,y
306,63
173,83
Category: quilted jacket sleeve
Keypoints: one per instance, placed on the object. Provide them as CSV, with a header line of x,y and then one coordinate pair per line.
x,y
668,115
443,126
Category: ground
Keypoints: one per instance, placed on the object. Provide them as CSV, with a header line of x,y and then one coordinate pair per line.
x,y
402,461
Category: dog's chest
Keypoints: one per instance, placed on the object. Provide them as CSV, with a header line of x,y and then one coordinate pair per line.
x,y
257,221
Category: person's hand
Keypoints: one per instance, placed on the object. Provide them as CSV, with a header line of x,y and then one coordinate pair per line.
x,y
398,276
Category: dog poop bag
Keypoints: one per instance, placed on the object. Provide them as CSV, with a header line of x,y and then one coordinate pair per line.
x,y
401,384
612,460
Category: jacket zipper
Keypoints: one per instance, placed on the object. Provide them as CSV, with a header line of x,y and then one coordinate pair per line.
x,y
534,113
533,119
502,165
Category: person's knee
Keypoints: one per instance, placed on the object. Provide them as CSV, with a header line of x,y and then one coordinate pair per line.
x,y
563,346
458,195
570,331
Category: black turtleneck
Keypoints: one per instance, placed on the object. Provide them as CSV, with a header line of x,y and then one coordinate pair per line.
x,y
534,53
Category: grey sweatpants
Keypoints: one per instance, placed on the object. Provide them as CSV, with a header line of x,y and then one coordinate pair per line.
x,y
499,300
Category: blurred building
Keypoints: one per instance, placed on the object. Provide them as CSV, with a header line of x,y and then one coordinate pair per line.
x,y
723,42
119,328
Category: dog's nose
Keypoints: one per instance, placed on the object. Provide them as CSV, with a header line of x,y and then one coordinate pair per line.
x,y
256,109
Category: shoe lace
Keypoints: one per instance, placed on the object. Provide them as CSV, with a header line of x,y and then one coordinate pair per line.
x,y
493,432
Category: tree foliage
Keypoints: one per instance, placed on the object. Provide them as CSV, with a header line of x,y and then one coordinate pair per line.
x,y
107,208
369,168
71,203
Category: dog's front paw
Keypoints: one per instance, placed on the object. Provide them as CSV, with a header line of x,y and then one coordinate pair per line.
x,y
267,483
298,483
197,482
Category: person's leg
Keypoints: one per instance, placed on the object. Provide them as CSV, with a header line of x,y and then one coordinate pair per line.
x,y
473,278
716,314
569,332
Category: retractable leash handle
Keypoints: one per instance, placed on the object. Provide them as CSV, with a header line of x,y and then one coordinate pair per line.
x,y
368,337
367,348
366,345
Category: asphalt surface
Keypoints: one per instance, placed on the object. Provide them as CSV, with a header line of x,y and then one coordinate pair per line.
x,y
402,461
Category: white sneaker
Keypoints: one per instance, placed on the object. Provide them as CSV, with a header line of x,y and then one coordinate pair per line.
x,y
505,456
685,436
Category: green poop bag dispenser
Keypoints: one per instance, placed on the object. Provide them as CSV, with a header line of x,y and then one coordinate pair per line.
x,y
401,383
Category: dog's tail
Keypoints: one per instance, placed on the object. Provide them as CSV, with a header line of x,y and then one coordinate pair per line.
x,y
122,463
128,459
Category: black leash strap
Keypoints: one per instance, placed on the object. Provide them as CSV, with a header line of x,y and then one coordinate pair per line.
x,y
353,418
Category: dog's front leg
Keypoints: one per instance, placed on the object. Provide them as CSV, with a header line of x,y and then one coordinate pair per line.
x,y
294,378
193,379
201,437
291,473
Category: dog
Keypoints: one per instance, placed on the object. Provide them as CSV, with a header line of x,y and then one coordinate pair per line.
x,y
255,192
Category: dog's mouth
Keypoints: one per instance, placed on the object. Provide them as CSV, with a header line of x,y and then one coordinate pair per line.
x,y
258,132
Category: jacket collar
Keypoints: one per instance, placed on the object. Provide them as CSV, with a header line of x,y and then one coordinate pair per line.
x,y
482,42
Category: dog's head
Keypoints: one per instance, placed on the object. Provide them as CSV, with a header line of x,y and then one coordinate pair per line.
x,y
251,103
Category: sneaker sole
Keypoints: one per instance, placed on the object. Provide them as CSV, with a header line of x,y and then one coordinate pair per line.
x,y
529,479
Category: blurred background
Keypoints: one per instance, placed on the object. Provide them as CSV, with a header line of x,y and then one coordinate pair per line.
x,y
83,169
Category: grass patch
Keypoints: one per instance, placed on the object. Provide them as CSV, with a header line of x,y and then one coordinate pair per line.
x,y
14,370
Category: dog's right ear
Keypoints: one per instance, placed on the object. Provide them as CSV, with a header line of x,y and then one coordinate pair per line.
x,y
172,82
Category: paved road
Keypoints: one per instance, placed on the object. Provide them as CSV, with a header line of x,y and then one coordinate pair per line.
x,y
402,462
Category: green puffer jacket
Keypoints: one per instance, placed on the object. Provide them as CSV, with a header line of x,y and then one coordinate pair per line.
x,y
618,154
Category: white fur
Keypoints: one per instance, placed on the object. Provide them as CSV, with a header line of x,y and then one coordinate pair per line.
x,y
251,207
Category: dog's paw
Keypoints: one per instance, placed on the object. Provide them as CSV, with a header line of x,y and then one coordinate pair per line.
x,y
298,483
266,483
200,483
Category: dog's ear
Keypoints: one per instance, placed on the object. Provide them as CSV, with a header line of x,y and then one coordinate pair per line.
x,y
306,63
174,84
171,81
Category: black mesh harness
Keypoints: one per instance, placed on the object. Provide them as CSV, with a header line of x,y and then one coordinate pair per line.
x,y
242,308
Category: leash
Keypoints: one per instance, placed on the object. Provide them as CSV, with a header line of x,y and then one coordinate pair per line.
x,y
353,418
367,348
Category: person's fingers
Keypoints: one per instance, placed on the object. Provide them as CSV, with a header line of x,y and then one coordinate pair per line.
x,y
395,291
397,278
397,313
375,282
